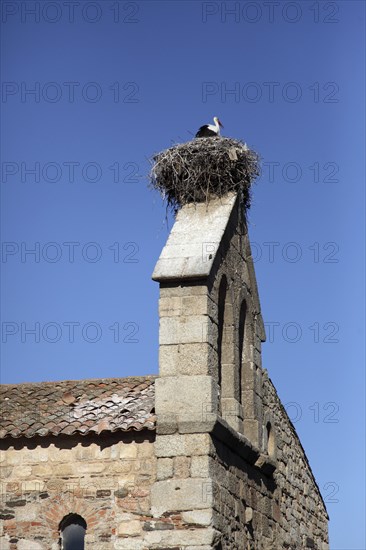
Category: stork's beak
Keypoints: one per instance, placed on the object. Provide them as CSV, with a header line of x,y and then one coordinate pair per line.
x,y
220,124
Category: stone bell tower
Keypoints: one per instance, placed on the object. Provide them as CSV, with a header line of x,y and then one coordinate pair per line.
x,y
225,448
211,327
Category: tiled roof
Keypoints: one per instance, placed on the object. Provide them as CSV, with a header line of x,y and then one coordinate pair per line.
x,y
77,406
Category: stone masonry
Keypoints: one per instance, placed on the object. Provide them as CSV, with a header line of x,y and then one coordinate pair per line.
x,y
243,477
220,468
103,479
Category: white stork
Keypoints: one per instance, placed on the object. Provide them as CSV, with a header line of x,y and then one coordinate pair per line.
x,y
210,130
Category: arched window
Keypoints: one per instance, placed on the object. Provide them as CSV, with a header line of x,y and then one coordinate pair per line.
x,y
72,529
227,369
221,314
242,336
270,440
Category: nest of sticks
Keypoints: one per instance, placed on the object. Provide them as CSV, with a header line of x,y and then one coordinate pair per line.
x,y
204,168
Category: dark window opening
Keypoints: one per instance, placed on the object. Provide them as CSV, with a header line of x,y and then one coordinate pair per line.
x,y
72,528
242,335
270,440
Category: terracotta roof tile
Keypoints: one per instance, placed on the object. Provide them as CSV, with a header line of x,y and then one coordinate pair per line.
x,y
77,406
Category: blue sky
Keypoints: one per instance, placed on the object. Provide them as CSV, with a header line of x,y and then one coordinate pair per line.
x,y
115,82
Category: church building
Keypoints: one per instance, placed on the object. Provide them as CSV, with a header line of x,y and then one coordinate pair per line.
x,y
201,456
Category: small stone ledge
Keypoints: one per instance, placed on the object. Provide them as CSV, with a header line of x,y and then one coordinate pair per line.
x,y
169,426
198,426
237,442
166,425
220,429
266,464
240,445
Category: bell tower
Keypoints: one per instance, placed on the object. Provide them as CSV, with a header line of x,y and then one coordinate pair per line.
x,y
211,326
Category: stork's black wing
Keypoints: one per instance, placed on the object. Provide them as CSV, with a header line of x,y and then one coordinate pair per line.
x,y
205,131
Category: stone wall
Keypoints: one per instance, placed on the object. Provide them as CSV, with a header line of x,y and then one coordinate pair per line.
x,y
302,512
254,509
104,479
228,457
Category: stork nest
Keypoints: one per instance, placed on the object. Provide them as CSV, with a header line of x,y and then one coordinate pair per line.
x,y
204,168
